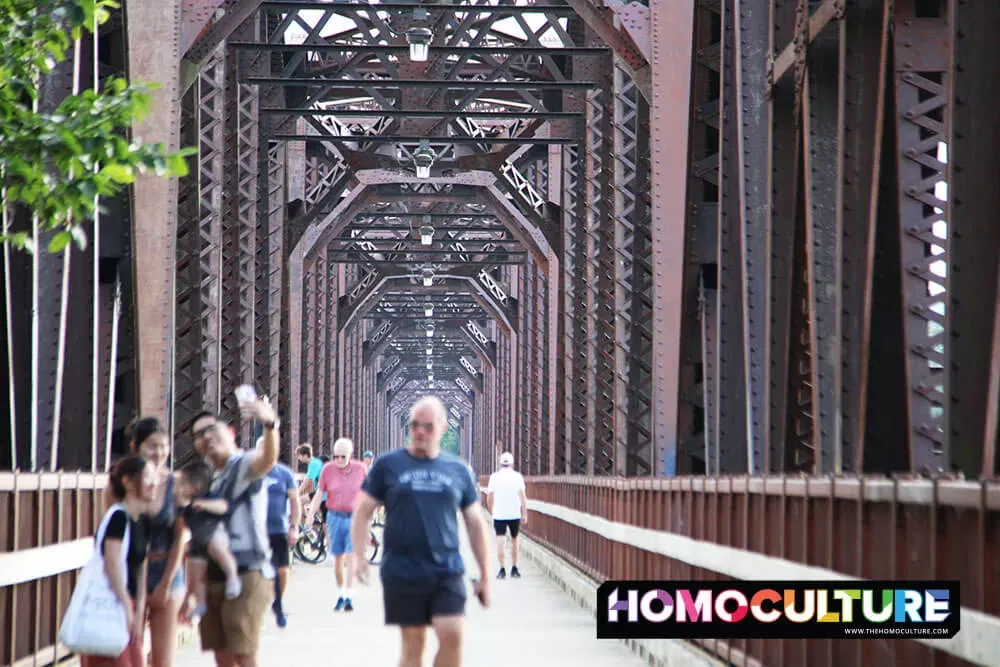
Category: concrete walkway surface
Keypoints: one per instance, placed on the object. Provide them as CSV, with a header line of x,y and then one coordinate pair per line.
x,y
531,622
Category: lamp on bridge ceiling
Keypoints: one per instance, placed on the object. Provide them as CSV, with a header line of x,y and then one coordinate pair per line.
x,y
428,275
430,365
426,232
430,332
419,40
423,158
429,350
429,310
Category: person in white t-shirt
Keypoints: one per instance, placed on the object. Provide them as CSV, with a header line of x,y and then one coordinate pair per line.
x,y
507,501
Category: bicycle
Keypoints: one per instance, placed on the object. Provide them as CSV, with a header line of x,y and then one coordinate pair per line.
x,y
312,544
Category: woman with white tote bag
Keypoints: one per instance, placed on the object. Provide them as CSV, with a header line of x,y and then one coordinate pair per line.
x,y
103,623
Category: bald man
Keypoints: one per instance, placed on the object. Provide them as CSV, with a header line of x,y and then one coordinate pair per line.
x,y
341,481
423,575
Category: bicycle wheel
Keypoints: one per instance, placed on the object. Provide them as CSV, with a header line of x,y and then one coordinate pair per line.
x,y
311,547
373,545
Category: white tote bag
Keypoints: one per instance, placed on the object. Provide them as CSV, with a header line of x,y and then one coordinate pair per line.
x,y
96,622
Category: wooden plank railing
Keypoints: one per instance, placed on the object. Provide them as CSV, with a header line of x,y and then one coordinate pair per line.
x,y
758,528
47,524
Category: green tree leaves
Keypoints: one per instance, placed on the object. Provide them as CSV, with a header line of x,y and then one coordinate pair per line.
x,y
450,442
57,164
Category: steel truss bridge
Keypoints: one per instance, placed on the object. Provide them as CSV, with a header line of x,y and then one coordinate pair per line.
x,y
726,269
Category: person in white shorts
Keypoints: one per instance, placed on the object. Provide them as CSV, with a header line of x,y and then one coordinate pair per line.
x,y
507,501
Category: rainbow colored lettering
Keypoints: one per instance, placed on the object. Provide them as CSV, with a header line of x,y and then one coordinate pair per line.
x,y
791,609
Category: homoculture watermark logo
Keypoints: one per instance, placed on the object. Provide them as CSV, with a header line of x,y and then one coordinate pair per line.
x,y
777,609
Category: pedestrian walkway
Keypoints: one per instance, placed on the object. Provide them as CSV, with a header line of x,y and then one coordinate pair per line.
x,y
530,615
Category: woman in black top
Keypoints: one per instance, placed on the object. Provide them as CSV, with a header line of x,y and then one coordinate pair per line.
x,y
132,483
165,585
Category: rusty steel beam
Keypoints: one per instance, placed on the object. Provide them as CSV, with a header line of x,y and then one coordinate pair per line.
x,y
923,106
152,56
671,38
828,11
822,113
866,63
601,21
974,367
730,410
210,94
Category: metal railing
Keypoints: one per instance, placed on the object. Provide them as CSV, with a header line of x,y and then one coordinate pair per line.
x,y
786,528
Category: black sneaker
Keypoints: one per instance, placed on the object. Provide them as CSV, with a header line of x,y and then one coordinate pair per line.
x,y
348,606
514,572
502,574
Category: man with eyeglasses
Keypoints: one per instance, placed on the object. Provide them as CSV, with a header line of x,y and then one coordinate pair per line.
x,y
422,573
341,481
231,626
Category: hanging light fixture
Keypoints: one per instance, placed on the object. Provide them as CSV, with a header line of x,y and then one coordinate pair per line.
x,y
419,39
429,310
429,350
428,275
430,365
430,377
426,235
430,332
423,158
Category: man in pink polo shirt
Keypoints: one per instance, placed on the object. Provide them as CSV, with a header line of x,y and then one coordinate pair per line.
x,y
341,481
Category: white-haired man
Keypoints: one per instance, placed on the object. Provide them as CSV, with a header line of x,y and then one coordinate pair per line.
x,y
507,501
423,582
341,481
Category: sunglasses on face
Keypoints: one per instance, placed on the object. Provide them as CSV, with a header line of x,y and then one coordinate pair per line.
x,y
427,426
203,432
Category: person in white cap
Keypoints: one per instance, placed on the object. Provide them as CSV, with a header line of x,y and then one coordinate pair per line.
x,y
507,501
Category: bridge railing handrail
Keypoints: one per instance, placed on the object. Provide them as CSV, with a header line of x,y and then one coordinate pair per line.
x,y
694,528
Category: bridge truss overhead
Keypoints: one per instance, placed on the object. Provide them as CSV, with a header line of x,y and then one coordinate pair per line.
x,y
692,237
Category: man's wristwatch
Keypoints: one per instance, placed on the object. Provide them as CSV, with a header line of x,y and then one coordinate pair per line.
x,y
274,426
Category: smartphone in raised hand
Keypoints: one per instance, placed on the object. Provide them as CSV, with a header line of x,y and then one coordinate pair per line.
x,y
245,394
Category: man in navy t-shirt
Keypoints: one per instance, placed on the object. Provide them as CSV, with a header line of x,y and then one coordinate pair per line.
x,y
422,571
283,512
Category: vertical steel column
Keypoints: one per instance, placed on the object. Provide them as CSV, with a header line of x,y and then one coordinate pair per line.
x,y
525,362
822,114
753,137
568,459
234,313
699,380
273,225
522,358
600,455
310,277
153,55
867,39
633,293
246,201
341,363
922,82
731,413
975,242
538,368
672,23
329,427
188,396
785,166
211,107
